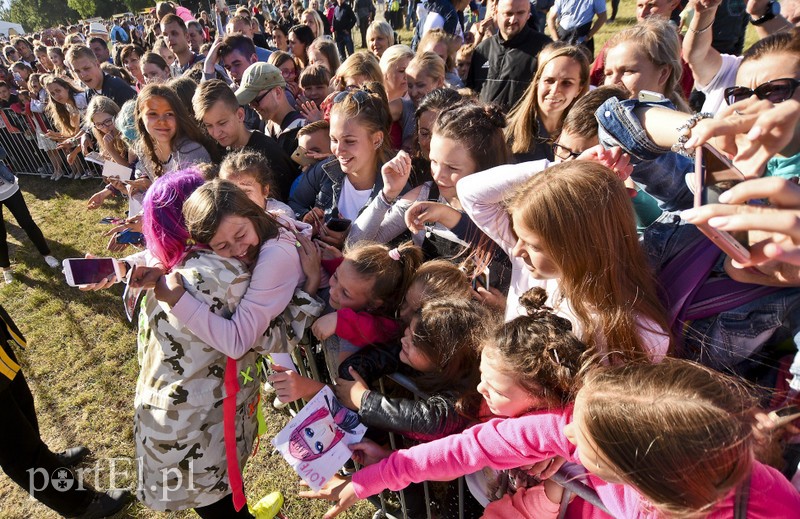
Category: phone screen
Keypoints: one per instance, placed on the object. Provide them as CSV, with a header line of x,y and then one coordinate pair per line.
x,y
86,271
719,175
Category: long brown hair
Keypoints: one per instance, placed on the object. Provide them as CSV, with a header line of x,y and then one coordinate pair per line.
x,y
57,111
186,126
523,125
584,217
679,432
448,332
213,201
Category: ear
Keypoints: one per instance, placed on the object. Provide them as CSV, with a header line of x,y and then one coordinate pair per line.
x,y
377,139
663,75
240,114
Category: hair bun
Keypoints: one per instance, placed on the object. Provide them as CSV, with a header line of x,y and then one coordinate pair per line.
x,y
495,115
533,301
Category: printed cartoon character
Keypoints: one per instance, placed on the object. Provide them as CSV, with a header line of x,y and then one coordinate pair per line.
x,y
322,430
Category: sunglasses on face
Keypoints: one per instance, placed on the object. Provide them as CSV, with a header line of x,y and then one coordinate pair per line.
x,y
775,91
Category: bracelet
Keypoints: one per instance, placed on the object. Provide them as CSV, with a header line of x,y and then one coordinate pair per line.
x,y
386,200
701,31
685,131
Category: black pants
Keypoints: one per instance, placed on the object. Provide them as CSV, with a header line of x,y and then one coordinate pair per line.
x,y
223,509
23,453
16,204
614,9
363,23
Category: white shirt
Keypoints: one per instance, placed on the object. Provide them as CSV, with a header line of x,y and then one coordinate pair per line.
x,y
351,200
724,78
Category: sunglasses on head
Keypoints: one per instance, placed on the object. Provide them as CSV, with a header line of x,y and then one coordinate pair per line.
x,y
360,96
775,91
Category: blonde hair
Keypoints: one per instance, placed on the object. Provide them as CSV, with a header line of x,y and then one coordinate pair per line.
x,y
394,54
104,105
382,29
358,64
317,28
584,217
430,64
324,45
372,112
522,130
657,39
436,36
679,432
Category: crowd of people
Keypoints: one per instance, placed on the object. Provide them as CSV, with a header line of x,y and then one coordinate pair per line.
x,y
527,226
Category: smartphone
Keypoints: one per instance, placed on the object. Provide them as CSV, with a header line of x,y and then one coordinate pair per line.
x,y
86,271
300,156
338,224
650,96
785,415
131,237
481,280
713,175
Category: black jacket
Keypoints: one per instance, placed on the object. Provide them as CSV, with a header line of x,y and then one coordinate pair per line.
x,y
343,18
502,70
421,420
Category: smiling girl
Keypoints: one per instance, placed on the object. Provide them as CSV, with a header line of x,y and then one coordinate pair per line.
x,y
562,76
343,185
425,73
168,137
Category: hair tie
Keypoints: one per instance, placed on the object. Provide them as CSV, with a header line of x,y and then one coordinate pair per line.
x,y
394,254
190,242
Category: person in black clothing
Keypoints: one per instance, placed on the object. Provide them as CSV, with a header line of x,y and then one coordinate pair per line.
x,y
365,10
503,66
84,63
216,106
26,459
344,19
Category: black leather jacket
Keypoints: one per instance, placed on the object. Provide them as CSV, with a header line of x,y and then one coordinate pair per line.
x,y
421,420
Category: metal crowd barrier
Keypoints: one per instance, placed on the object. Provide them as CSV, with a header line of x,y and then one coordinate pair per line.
x,y
569,476
19,136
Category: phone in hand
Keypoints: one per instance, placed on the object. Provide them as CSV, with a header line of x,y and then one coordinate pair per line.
x,y
87,271
130,237
713,175
300,156
338,224
481,280
785,415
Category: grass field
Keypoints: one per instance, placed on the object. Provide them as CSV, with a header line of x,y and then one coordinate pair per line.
x,y
81,360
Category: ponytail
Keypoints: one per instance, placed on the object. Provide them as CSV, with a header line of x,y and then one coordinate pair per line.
x,y
391,269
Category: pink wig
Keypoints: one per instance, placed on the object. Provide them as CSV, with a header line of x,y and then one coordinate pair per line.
x,y
162,219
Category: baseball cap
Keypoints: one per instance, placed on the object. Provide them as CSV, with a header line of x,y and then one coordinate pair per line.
x,y
258,77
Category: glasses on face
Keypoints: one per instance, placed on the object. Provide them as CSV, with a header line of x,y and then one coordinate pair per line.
x,y
104,124
564,153
257,101
775,91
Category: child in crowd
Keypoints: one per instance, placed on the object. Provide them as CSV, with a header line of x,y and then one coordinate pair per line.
x,y
592,268
251,172
464,60
323,51
66,107
315,85
101,113
314,142
168,137
637,444
38,105
425,72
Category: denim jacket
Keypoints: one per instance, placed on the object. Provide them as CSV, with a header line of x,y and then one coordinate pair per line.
x,y
744,339
658,171
321,187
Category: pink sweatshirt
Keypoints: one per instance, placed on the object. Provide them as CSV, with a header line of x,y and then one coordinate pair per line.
x,y
276,274
514,442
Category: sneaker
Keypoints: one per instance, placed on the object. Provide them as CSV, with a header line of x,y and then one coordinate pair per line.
x,y
8,276
73,456
106,504
86,176
50,260
57,176
268,506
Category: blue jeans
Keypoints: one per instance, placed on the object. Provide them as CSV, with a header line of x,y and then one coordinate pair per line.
x,y
344,42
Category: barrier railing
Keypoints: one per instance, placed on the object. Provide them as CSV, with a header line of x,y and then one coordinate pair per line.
x,y
29,152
